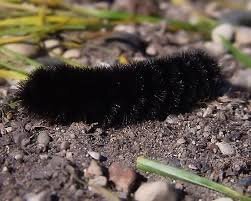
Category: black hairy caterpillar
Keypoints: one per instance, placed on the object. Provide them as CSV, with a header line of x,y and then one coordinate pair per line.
x,y
121,94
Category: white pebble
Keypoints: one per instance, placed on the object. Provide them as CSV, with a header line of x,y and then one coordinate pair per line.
x,y
151,50
215,48
225,148
51,43
43,156
56,52
36,197
23,48
225,30
155,191
43,139
98,181
94,155
72,54
19,156
223,199
181,141
125,28
69,156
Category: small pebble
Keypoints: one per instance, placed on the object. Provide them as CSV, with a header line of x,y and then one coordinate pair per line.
x,y
72,136
69,156
192,167
65,145
94,155
25,49
19,156
36,196
43,156
56,52
151,50
51,43
242,78
5,169
181,141
93,170
155,191
225,148
28,126
215,48
8,129
122,177
223,199
225,30
72,54
125,28
98,181
43,140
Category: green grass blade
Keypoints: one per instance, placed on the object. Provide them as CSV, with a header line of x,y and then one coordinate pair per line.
x,y
238,55
168,171
20,57
8,74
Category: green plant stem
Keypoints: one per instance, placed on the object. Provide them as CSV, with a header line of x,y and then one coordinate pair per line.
x,y
168,171
238,55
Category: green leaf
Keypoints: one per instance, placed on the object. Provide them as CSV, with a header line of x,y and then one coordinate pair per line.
x,y
237,54
168,171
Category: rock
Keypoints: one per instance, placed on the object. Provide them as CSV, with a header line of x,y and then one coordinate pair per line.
x,y
125,28
94,155
223,199
36,196
25,49
215,48
43,156
5,169
181,141
98,181
225,30
51,43
43,140
69,156
151,50
72,54
242,36
208,112
242,78
65,145
19,156
122,177
93,170
155,191
8,129
58,51
225,148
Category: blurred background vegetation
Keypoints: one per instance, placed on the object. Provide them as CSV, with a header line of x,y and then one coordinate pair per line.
x,y
31,22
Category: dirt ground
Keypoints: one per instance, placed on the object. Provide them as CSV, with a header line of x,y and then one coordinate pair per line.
x,y
188,141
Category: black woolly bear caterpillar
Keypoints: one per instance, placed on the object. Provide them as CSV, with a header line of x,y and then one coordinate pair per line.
x,y
122,94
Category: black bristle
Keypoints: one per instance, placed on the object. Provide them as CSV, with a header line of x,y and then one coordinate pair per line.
x,y
121,94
